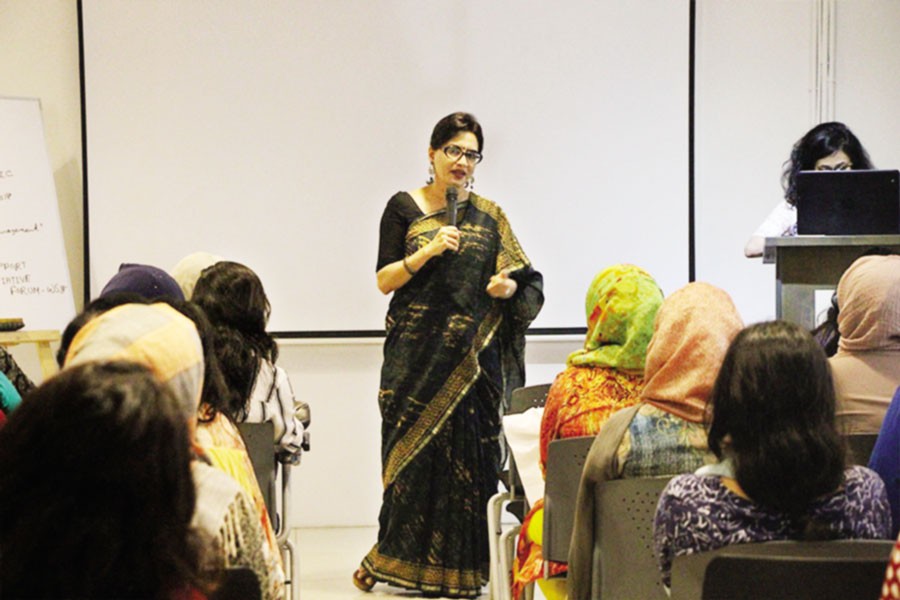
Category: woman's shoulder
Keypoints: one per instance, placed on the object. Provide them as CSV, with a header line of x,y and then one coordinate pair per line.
x,y
863,504
693,486
486,206
401,196
779,219
401,200
268,372
859,480
691,494
483,203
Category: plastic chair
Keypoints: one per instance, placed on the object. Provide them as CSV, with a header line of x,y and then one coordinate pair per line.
x,y
565,461
258,437
624,561
238,584
861,446
833,570
500,543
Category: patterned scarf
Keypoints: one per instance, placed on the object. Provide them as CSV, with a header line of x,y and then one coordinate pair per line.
x,y
621,305
154,335
693,330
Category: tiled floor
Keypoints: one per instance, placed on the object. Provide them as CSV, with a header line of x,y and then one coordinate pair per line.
x,y
328,558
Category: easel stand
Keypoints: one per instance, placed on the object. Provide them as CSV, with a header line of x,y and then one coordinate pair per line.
x,y
804,264
42,339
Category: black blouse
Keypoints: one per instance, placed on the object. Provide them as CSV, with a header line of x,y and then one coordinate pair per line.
x,y
401,210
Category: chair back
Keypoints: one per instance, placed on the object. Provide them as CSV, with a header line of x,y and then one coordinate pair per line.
x,y
565,461
260,441
832,570
523,398
624,559
531,396
860,446
238,584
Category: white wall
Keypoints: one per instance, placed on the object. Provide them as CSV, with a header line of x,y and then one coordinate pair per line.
x,y
40,60
867,94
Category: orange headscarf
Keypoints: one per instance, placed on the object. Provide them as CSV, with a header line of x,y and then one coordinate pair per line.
x,y
693,329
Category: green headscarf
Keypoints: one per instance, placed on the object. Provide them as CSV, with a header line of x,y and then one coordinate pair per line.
x,y
621,306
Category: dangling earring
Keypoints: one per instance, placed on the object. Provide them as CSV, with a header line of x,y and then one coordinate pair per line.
x,y
470,183
430,175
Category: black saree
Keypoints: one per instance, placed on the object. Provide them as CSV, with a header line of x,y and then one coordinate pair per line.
x,y
451,355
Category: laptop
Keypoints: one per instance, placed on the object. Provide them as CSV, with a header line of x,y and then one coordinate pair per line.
x,y
848,202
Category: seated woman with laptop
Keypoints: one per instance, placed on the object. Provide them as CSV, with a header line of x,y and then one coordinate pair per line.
x,y
825,147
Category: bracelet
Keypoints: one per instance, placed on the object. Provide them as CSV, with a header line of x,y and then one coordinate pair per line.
x,y
408,268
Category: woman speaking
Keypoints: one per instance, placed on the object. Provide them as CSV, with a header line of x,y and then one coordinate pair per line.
x,y
463,295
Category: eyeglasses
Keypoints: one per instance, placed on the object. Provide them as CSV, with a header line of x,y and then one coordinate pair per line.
x,y
454,152
838,167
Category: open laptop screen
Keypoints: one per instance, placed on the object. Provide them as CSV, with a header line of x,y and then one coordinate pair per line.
x,y
848,202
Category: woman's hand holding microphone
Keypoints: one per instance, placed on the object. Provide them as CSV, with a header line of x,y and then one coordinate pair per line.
x,y
447,238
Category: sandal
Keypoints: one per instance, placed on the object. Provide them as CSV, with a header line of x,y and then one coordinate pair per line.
x,y
363,579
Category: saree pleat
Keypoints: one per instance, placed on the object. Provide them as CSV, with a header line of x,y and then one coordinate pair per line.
x,y
446,358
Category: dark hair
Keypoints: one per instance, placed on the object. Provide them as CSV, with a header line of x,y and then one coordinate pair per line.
x,y
454,124
231,294
822,140
775,399
233,298
826,333
217,393
95,473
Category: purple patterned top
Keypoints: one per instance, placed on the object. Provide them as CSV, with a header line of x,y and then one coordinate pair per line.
x,y
697,513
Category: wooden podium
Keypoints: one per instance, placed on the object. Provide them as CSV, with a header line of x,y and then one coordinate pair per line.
x,y
42,339
806,263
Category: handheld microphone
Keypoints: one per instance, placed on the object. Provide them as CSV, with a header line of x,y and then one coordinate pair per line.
x,y
450,195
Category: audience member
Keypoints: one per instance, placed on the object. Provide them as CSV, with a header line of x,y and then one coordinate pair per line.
x,y
233,298
9,396
146,281
782,471
217,434
189,268
95,475
885,459
664,434
10,368
866,368
604,376
826,333
166,341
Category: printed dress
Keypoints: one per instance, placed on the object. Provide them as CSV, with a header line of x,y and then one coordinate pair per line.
x,y
697,513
